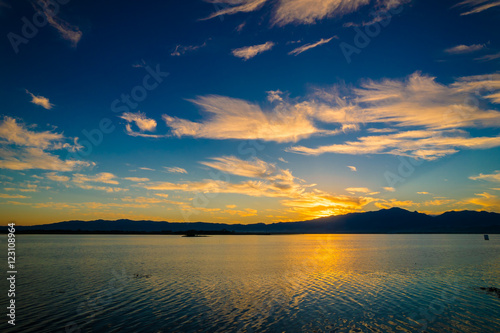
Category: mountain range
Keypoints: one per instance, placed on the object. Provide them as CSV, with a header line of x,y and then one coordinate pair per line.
x,y
394,220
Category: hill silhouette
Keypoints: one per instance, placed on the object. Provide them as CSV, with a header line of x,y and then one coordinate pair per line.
x,y
394,220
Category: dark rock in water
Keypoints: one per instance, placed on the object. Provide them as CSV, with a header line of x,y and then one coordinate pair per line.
x,y
491,290
137,276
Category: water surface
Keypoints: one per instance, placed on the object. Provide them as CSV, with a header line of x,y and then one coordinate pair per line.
x,y
287,283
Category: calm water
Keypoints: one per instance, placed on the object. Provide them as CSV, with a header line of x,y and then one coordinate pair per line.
x,y
293,283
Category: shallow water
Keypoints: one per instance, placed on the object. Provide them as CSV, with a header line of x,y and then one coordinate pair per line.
x,y
287,283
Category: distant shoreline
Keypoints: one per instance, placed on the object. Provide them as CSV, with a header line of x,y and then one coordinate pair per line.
x,y
203,233
385,221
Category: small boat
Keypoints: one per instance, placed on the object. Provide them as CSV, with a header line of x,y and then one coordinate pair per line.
x,y
486,237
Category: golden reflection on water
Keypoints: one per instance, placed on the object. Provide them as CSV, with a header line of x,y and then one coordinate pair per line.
x,y
291,283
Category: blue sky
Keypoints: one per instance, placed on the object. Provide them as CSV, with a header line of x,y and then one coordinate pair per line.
x,y
245,111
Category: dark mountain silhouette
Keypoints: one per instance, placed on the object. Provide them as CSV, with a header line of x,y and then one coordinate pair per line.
x,y
394,220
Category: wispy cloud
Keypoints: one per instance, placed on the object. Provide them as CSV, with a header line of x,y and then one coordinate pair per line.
x,y
306,47
13,196
459,49
137,179
40,100
175,170
427,145
183,49
233,7
300,11
103,177
415,111
493,177
358,190
353,168
69,32
488,57
477,6
82,181
267,180
386,204
23,149
232,118
57,178
485,200
248,52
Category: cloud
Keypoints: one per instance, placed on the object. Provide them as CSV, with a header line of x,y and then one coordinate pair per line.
x,y
248,52
40,100
55,177
459,49
235,166
274,96
485,200
310,11
233,118
267,180
102,188
26,187
175,170
300,11
379,16
103,177
12,132
306,47
236,6
81,181
494,177
142,122
147,169
386,204
477,6
421,101
13,196
426,193
353,168
281,159
243,213
137,179
146,200
427,145
488,57
182,49
437,202
317,203
140,64
22,149
417,101
389,189
358,189
69,32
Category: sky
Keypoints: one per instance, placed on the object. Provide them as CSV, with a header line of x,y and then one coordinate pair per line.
x,y
247,111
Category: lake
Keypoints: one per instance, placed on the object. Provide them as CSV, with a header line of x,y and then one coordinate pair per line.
x,y
276,283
